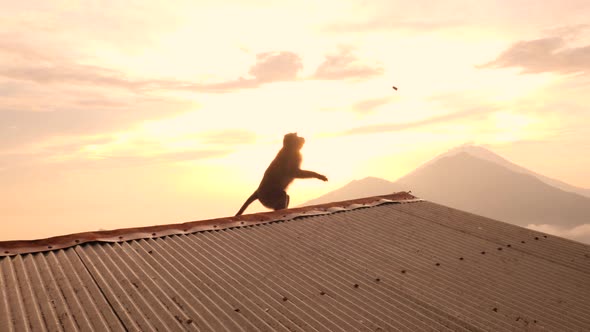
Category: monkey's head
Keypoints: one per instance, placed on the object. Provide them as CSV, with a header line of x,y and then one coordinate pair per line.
x,y
292,141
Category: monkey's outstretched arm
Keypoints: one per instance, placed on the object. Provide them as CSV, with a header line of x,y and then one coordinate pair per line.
x,y
249,201
302,174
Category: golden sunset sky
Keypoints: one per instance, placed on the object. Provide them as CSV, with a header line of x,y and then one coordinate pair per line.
x,y
130,113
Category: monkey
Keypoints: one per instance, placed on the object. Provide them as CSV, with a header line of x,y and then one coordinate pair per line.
x,y
285,168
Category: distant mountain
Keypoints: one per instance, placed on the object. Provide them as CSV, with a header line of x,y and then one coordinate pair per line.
x,y
495,189
486,188
488,155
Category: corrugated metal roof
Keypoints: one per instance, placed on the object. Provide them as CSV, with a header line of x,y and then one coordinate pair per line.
x,y
380,267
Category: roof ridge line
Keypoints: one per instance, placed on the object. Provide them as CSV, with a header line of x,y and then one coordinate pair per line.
x,y
12,248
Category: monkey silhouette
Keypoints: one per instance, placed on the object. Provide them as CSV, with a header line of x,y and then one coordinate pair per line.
x,y
285,168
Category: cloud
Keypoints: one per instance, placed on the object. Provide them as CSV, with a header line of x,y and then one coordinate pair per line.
x,y
386,127
276,66
568,32
270,67
25,62
66,72
43,93
580,233
549,54
44,68
25,120
17,158
73,156
345,65
211,144
74,74
369,105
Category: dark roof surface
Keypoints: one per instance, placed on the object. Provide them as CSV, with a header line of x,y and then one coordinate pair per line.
x,y
375,264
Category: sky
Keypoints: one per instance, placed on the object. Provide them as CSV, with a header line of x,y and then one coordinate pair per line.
x,y
133,113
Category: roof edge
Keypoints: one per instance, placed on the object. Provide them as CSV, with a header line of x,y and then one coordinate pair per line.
x,y
18,247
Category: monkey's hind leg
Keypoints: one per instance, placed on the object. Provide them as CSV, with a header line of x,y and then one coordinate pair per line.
x,y
282,201
276,200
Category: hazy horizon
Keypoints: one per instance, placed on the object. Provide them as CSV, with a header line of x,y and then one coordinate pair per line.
x,y
122,114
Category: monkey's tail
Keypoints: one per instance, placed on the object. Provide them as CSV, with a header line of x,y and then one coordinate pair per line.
x,y
249,201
